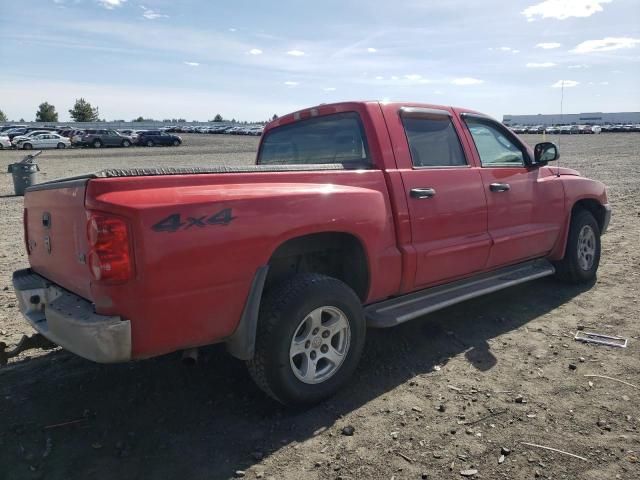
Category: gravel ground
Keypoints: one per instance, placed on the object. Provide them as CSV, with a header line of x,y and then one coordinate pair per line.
x,y
432,398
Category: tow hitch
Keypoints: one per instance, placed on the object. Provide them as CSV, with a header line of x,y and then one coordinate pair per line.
x,y
26,343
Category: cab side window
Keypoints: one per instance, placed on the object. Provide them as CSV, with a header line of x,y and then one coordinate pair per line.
x,y
494,146
433,141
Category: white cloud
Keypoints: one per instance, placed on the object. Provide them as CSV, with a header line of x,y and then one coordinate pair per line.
x,y
466,81
606,44
540,65
295,53
111,4
507,49
291,84
192,64
580,65
150,14
379,77
255,51
329,89
394,77
567,84
563,9
413,77
371,50
233,29
604,83
549,45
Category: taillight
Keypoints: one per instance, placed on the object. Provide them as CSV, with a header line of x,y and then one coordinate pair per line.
x,y
109,255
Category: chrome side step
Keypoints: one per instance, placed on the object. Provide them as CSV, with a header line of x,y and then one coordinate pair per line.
x,y
395,311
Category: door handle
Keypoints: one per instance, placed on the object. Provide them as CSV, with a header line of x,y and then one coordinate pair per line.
x,y
420,193
500,187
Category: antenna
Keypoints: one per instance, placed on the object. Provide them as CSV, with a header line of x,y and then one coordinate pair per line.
x,y
561,122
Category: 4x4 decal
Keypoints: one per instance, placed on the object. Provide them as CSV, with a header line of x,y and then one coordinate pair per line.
x,y
174,222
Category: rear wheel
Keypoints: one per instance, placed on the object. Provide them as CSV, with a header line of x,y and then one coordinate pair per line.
x,y
97,144
60,145
310,338
582,255
126,143
27,146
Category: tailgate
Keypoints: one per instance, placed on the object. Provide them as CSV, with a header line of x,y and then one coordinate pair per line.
x,y
55,229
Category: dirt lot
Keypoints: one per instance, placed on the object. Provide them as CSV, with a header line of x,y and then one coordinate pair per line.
x,y
432,397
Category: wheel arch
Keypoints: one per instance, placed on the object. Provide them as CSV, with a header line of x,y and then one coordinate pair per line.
x,y
590,204
338,254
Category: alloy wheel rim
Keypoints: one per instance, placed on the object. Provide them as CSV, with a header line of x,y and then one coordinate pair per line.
x,y
586,247
319,345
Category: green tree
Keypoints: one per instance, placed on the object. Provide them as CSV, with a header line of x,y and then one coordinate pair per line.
x,y
82,111
46,113
3,117
217,118
139,119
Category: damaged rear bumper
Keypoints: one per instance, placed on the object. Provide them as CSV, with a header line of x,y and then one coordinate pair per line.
x,y
70,321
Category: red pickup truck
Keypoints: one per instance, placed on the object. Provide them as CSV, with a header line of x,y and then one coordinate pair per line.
x,y
359,214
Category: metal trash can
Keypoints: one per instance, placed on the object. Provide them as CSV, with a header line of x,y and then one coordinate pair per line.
x,y
25,173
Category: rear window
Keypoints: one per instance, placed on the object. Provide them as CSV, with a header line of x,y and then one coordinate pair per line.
x,y
330,139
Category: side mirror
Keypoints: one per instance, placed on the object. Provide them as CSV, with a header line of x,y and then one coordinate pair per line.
x,y
546,152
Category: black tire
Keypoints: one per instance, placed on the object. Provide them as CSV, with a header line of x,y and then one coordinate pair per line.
x,y
126,143
96,144
176,143
281,312
150,143
60,145
569,269
27,146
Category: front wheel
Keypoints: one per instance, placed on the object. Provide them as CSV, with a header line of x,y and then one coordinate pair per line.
x,y
149,143
60,145
97,144
582,255
27,146
310,337
126,143
176,143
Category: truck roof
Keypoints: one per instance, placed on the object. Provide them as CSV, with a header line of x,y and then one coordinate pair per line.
x,y
329,108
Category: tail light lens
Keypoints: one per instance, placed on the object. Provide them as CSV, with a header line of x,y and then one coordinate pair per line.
x,y
109,255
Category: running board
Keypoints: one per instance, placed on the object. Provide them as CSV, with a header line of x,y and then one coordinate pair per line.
x,y
395,311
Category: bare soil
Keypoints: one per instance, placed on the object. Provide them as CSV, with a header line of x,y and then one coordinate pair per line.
x,y
432,398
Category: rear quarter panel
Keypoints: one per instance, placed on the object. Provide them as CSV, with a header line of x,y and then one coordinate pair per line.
x,y
191,284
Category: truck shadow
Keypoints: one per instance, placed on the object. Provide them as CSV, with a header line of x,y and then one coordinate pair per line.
x,y
64,417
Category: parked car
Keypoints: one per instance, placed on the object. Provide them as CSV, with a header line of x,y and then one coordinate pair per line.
x,y
28,135
103,138
5,142
175,258
43,140
14,132
133,134
552,130
152,138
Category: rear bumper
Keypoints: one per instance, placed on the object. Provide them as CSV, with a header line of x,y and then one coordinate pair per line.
x,y
70,321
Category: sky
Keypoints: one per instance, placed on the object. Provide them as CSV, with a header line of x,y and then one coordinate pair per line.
x,y
250,59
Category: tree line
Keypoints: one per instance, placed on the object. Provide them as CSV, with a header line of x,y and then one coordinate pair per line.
x,y
83,111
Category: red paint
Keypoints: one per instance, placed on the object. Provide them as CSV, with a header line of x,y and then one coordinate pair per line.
x,y
189,287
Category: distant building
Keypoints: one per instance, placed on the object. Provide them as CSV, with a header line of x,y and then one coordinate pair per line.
x,y
596,118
